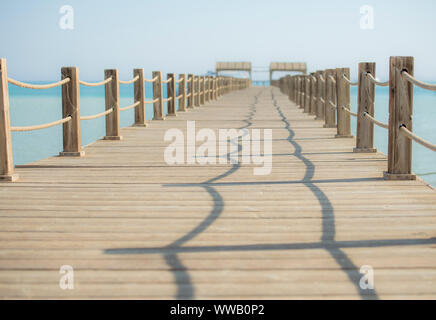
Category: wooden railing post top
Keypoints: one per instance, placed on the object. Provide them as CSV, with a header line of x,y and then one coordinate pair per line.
x,y
367,67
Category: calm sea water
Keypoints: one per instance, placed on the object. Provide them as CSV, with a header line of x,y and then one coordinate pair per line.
x,y
31,107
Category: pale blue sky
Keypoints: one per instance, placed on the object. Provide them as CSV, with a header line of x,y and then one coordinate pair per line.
x,y
190,36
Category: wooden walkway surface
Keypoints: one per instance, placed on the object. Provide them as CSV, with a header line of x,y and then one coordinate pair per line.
x,y
133,227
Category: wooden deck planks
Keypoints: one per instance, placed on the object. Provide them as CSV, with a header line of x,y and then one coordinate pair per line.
x,y
134,227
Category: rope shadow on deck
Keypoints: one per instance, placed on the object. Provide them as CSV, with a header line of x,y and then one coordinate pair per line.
x,y
328,226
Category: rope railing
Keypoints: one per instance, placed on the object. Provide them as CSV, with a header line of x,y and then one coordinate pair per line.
x,y
95,84
332,105
375,121
349,81
72,133
401,99
41,126
167,81
376,81
151,101
38,86
98,115
349,111
129,81
414,137
333,80
130,106
151,80
418,83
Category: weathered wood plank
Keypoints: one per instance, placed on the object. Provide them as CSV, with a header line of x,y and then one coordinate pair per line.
x,y
303,231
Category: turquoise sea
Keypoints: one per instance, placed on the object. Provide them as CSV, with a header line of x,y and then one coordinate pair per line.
x,y
31,107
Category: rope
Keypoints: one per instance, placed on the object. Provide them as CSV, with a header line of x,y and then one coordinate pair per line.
x,y
167,80
98,115
129,81
151,101
348,81
375,121
377,82
321,78
151,80
38,86
180,80
333,80
130,107
96,84
179,97
42,126
332,105
322,100
348,111
421,84
417,139
167,100
188,95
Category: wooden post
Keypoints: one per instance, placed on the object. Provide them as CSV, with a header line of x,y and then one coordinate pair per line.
x,y
314,90
191,91
301,91
330,92
182,92
343,100
365,103
205,89
320,96
139,96
400,114
72,141
171,93
298,91
202,90
197,90
6,158
112,101
210,88
218,80
307,94
157,94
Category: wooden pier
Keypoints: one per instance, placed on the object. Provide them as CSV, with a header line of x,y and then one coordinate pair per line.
x,y
132,226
